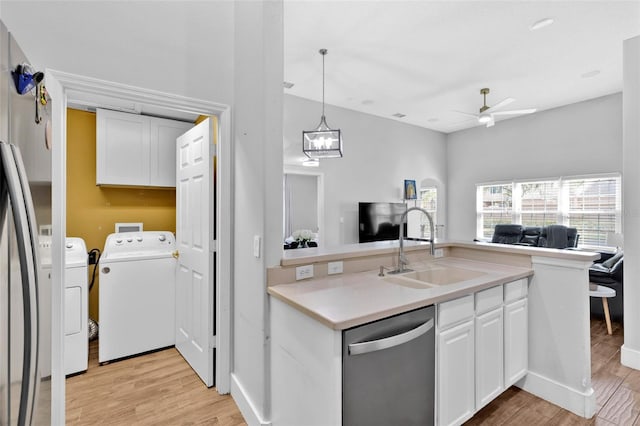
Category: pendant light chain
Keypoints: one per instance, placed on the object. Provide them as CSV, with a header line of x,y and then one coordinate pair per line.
x,y
323,52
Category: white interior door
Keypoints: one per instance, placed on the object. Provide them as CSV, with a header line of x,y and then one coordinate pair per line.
x,y
195,276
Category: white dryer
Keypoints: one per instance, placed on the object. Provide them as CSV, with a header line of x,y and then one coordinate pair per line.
x,y
137,294
76,306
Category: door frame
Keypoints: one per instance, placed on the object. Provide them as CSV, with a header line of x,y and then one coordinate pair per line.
x,y
64,87
293,170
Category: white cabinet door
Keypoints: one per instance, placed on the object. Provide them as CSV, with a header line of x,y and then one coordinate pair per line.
x,y
516,340
122,151
489,357
162,150
455,374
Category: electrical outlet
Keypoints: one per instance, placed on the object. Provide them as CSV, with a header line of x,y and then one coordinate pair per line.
x,y
304,272
438,253
335,267
92,258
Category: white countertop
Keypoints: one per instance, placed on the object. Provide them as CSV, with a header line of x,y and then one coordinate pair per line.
x,y
345,301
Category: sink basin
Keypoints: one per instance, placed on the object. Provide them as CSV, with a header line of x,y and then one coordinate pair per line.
x,y
434,277
444,275
407,282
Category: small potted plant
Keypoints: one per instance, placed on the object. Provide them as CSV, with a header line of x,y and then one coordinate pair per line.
x,y
302,236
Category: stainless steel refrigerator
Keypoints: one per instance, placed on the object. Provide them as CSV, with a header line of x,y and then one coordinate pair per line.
x,y
25,293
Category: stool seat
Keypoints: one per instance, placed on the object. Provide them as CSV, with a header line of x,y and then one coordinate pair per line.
x,y
596,290
603,292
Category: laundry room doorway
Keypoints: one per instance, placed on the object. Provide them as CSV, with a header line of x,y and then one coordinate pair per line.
x,y
214,335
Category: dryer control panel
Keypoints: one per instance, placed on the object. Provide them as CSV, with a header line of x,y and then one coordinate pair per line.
x,y
138,242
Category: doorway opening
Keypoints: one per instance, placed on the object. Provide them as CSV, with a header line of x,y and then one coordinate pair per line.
x,y
69,90
303,198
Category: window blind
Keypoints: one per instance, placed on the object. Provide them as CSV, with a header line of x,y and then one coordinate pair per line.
x,y
594,208
590,204
539,203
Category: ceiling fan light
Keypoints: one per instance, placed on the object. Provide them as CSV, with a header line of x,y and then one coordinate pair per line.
x,y
541,24
484,118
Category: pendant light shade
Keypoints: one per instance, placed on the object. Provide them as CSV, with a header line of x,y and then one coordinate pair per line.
x,y
323,142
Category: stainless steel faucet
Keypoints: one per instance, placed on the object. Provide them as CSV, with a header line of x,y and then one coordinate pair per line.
x,y
402,261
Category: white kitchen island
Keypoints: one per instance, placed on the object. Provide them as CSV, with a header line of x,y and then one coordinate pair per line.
x,y
308,316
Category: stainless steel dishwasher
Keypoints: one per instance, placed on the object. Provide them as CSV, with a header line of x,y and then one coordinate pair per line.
x,y
388,370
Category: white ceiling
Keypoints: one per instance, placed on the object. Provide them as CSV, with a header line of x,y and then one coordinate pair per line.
x,y
424,59
427,59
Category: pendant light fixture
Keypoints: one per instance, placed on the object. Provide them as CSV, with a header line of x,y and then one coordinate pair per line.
x,y
323,142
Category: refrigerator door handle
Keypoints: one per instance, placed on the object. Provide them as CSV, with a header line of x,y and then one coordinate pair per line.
x,y
35,283
22,208
389,342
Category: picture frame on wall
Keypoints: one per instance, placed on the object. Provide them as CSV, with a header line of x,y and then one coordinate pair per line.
x,y
410,192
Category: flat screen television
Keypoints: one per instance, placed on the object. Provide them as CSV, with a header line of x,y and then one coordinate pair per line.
x,y
380,221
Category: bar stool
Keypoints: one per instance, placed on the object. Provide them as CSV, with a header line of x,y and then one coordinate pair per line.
x,y
603,292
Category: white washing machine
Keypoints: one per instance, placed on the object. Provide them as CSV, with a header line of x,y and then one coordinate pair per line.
x,y
76,306
137,294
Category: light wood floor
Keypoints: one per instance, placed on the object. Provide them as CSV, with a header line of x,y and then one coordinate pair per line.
x,y
161,389
617,390
154,389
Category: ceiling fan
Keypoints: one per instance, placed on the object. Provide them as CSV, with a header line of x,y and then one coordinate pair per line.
x,y
487,113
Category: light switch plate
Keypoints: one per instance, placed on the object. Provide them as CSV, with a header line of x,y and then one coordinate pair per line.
x,y
438,253
304,272
256,246
334,267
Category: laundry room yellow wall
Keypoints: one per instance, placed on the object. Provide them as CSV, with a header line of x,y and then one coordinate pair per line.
x,y
92,211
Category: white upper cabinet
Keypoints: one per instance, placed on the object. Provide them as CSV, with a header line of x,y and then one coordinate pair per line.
x,y
136,150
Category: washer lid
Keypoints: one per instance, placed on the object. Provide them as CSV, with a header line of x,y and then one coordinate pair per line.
x,y
75,252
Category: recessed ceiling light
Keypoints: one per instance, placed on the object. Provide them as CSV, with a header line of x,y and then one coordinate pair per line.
x,y
541,24
433,120
311,162
367,102
287,85
590,74
399,115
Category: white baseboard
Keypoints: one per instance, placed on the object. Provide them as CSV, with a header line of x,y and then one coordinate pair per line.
x,y
247,409
630,357
581,403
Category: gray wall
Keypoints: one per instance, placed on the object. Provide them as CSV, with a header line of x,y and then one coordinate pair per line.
x,y
379,154
577,139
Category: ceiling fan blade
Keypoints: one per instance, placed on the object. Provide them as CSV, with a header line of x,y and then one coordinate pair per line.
x,y
503,103
466,113
516,111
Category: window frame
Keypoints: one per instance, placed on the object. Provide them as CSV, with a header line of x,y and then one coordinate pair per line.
x,y
434,213
563,212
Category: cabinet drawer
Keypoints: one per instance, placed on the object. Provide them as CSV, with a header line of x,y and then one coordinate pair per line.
x,y
515,290
454,311
488,299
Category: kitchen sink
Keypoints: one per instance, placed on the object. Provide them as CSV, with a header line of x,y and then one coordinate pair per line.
x,y
433,277
443,275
